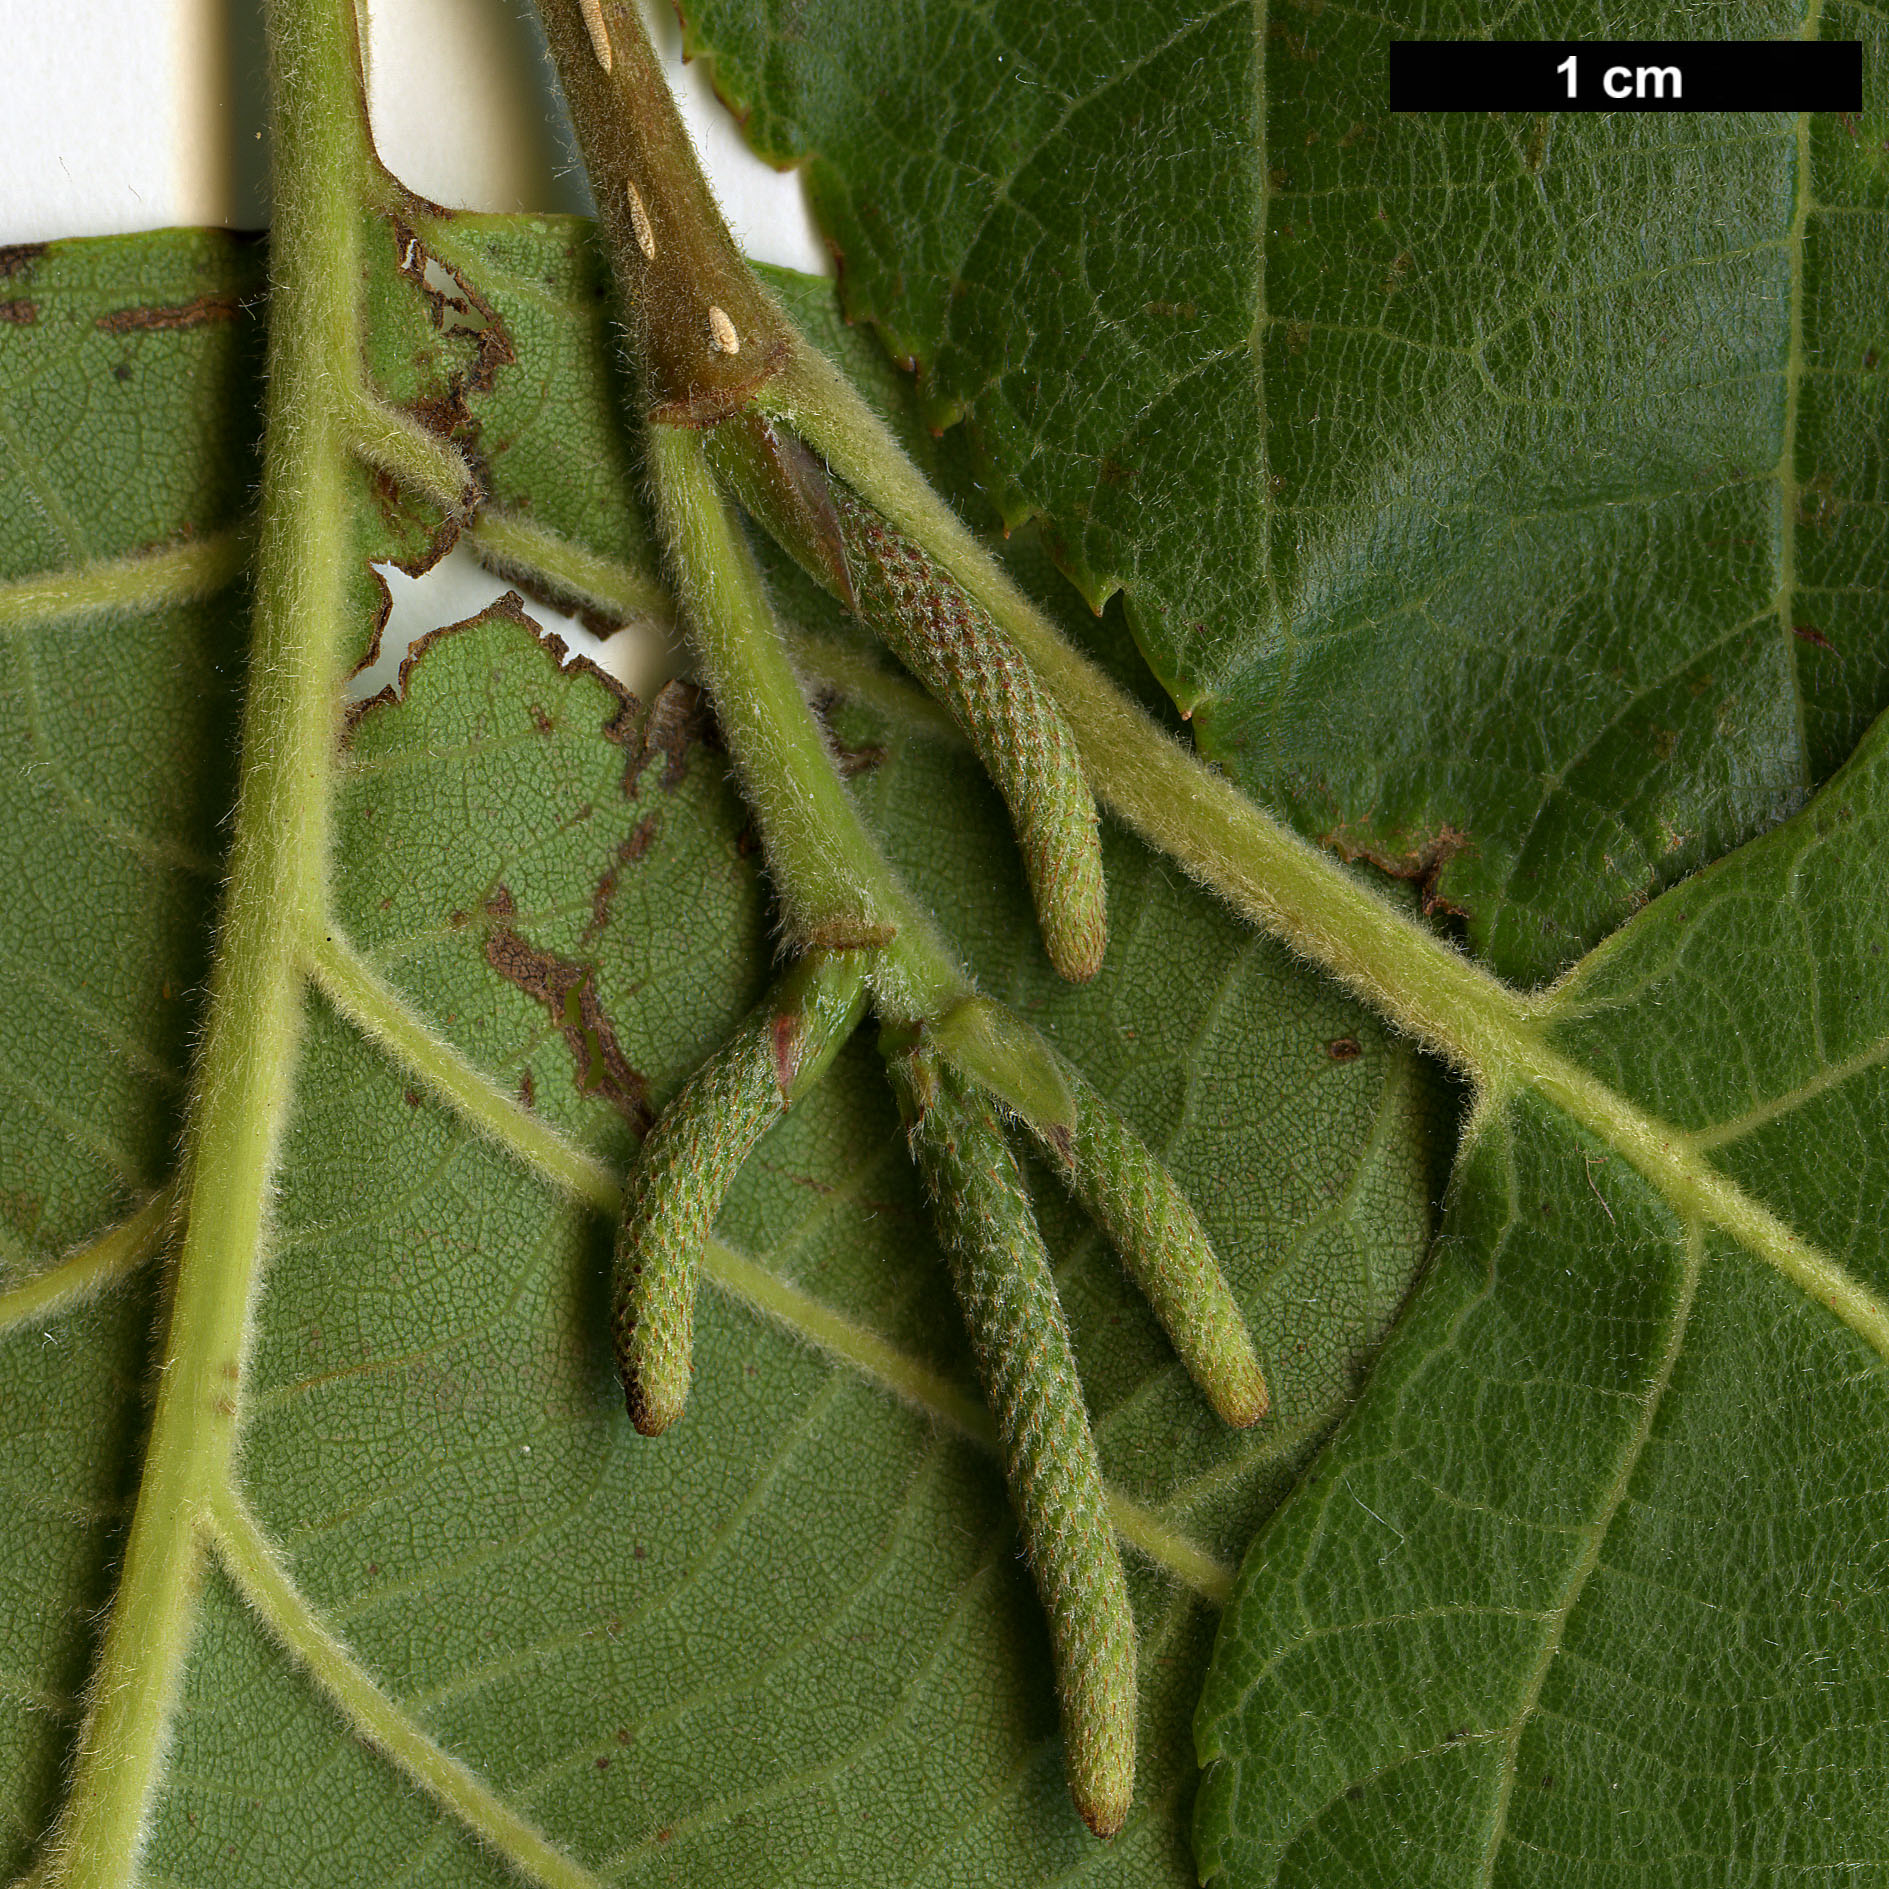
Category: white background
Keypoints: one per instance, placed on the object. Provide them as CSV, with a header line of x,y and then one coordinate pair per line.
x,y
138,114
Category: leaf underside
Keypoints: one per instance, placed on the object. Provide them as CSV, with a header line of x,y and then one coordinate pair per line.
x,y
1594,1580
1541,464
793,1640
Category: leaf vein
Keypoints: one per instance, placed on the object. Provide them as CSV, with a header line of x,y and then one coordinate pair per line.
x,y
266,1585
1582,1569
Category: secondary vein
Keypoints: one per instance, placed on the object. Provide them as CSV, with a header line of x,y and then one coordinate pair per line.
x,y
148,580
89,1270
1588,1560
252,1564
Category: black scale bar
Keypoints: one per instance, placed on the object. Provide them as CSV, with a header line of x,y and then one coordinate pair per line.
x,y
1626,75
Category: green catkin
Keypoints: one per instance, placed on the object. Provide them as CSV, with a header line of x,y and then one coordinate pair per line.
x,y
1127,1190
951,644
688,1164
1135,1200
690,1161
1028,1371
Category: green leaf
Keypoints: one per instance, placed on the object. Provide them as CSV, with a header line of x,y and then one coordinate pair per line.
x,y
793,1638
1538,459
1573,419
1594,1577
116,686
1539,462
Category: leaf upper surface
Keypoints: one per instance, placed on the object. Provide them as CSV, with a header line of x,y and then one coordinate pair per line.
x,y
1502,496
1594,1577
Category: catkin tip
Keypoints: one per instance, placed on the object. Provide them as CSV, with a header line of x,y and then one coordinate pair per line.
x,y
1244,1399
1103,1804
1076,950
653,1408
1064,866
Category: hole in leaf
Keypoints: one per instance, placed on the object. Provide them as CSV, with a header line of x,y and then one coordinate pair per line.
x,y
459,314
459,586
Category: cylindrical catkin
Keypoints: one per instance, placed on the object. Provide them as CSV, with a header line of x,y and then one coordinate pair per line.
x,y
961,655
687,1166
690,1161
1028,1371
952,645
1139,1205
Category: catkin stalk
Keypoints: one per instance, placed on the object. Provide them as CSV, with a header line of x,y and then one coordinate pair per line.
x,y
690,1161
1028,1371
